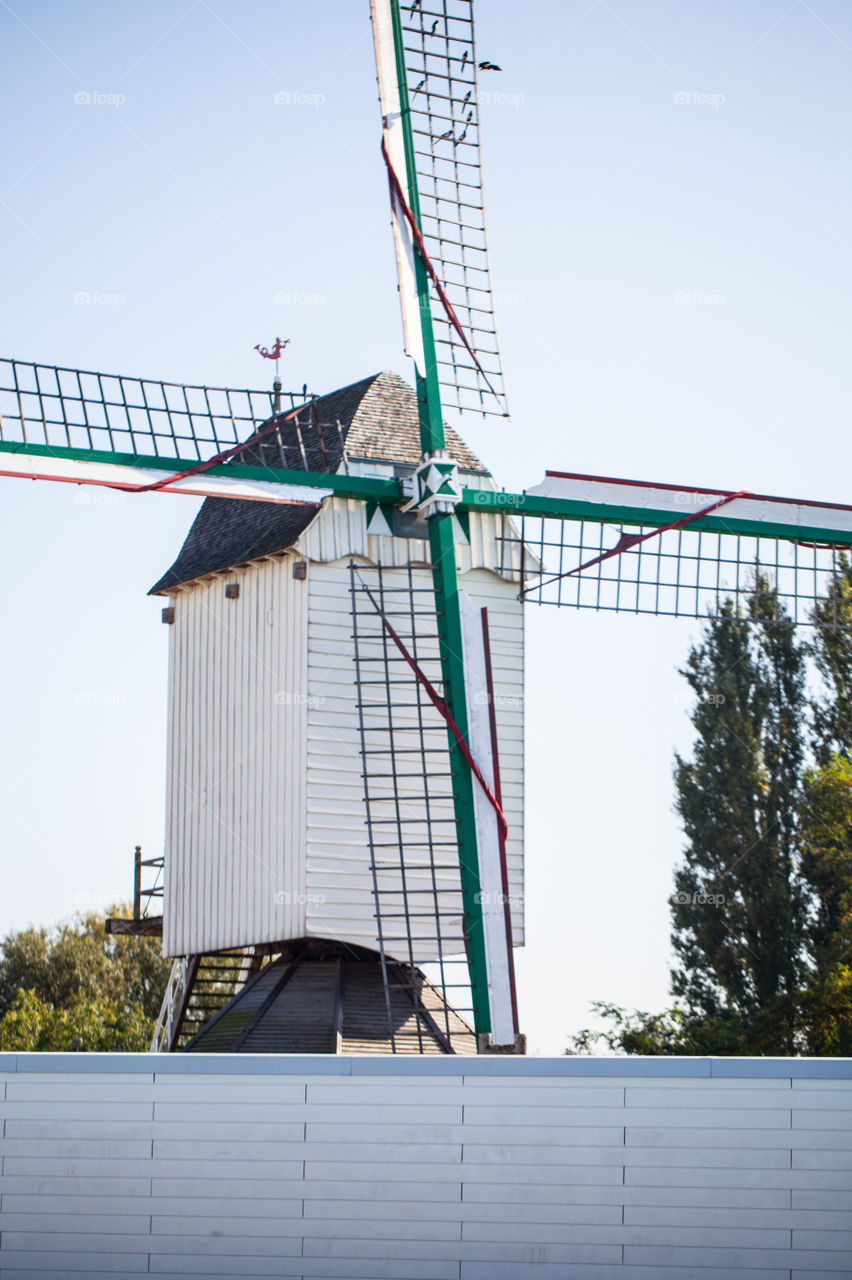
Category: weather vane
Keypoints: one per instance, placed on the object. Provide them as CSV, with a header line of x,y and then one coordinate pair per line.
x,y
274,353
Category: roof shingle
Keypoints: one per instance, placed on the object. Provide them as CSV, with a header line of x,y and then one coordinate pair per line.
x,y
375,419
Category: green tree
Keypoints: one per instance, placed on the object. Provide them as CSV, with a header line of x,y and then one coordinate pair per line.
x,y
32,1024
739,910
827,871
832,654
738,907
78,975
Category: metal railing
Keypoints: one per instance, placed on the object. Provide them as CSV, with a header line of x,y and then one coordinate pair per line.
x,y
174,1004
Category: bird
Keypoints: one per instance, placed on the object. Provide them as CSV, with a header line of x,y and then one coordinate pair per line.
x,y
466,97
418,87
465,56
434,27
489,66
414,7
446,137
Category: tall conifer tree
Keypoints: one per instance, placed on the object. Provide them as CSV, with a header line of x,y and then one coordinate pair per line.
x,y
738,909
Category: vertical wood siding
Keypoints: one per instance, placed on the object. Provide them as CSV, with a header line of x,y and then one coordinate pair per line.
x,y
460,1170
266,824
235,838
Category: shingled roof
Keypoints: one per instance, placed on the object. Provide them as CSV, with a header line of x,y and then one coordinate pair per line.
x,y
374,420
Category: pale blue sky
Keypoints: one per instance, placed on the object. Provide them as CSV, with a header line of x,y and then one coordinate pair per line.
x,y
195,199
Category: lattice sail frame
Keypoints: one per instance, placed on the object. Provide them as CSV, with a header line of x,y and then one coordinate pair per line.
x,y
772,557
49,405
408,796
438,86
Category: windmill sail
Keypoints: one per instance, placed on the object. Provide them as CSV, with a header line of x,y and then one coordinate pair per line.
x,y
120,432
440,177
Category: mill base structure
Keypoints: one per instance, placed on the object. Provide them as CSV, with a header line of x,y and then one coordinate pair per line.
x,y
311,795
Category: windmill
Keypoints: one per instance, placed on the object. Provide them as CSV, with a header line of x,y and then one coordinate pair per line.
x,y
400,572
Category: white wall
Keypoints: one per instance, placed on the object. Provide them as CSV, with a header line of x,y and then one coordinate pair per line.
x,y
235,796
340,902
266,834
447,1169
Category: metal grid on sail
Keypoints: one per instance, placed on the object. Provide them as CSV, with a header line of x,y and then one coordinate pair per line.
x,y
441,73
72,408
680,573
408,794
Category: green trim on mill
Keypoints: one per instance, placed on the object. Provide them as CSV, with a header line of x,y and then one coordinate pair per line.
x,y
369,487
523,504
445,581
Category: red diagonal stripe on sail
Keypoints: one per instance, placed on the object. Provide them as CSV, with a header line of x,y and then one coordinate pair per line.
x,y
397,194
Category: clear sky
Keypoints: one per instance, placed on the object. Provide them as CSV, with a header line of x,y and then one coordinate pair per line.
x,y
637,153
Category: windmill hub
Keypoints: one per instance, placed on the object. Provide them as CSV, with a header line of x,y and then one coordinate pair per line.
x,y
435,487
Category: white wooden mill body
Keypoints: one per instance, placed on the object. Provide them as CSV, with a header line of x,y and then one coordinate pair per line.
x,y
266,836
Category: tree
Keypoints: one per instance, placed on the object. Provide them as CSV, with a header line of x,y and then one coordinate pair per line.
x,y
827,871
78,975
98,1025
832,654
738,907
739,910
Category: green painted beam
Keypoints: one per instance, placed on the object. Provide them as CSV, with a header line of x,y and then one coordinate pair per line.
x,y
568,509
367,487
445,582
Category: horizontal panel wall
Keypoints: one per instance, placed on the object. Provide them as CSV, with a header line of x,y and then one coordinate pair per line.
x,y
691,1169
340,901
